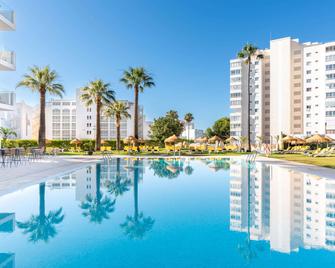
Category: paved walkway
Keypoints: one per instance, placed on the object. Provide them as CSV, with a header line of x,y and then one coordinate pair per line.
x,y
21,176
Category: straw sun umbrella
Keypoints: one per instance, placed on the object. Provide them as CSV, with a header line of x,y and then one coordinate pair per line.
x,y
76,142
231,140
317,138
215,139
289,139
130,139
201,140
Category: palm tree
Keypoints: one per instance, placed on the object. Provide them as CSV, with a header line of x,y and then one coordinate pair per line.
x,y
136,226
138,79
100,94
6,133
243,141
42,80
42,227
248,53
188,119
97,208
119,110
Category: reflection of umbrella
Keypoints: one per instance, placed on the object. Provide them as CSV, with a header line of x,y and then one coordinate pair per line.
x,y
231,140
75,141
214,139
171,139
317,139
289,139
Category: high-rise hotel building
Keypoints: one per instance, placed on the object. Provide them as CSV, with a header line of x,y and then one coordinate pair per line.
x,y
292,91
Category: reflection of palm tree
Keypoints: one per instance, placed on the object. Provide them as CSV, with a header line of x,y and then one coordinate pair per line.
x,y
219,165
42,227
164,169
120,184
136,226
188,170
99,207
245,248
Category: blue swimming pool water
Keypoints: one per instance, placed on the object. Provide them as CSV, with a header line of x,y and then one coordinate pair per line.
x,y
171,213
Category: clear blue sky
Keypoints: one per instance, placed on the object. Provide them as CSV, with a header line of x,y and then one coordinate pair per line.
x,y
186,45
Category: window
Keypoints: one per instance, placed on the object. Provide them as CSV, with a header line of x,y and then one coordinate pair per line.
x,y
235,79
297,52
309,89
330,48
308,98
330,76
308,63
308,72
330,113
308,54
330,58
330,67
308,80
235,95
235,72
330,95
330,86
235,64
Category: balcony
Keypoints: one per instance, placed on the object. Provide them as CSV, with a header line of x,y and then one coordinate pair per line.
x,y
7,61
7,18
7,101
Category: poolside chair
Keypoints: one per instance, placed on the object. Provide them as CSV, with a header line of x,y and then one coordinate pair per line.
x,y
326,152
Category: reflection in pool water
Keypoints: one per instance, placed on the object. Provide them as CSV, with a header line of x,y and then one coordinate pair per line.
x,y
207,213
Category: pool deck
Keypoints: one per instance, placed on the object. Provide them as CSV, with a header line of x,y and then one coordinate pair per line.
x,y
18,177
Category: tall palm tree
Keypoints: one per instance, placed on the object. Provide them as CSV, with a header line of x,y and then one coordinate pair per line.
x,y
100,94
97,208
247,54
41,227
188,119
136,226
119,110
42,80
6,133
138,79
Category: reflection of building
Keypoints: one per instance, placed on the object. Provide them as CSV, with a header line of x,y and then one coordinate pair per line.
x,y
7,260
250,207
85,182
7,222
64,182
288,208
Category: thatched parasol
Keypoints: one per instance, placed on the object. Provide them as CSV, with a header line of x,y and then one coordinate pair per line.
x,y
141,141
299,141
317,138
201,140
289,139
171,139
104,142
329,139
214,139
130,139
47,141
75,142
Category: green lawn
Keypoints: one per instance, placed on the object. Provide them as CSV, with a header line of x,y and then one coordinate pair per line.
x,y
318,161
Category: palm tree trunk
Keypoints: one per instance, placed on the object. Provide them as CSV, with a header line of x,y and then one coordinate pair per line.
x,y
42,200
118,145
136,112
248,107
98,128
41,132
98,177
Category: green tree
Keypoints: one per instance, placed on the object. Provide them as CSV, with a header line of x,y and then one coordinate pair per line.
x,y
41,227
220,128
97,208
136,226
166,126
6,133
138,79
100,94
188,118
43,81
248,53
118,110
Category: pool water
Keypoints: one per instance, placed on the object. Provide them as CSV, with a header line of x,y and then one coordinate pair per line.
x,y
171,213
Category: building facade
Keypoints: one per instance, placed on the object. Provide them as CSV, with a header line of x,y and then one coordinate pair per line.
x,y
61,119
86,122
292,91
190,132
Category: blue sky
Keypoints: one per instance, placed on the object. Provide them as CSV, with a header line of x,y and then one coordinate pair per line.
x,y
185,44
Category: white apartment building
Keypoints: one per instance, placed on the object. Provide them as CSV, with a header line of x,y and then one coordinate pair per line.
x,y
86,122
60,118
23,120
292,91
190,132
7,102
259,98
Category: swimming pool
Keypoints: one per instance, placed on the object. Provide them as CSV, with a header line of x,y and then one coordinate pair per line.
x,y
171,213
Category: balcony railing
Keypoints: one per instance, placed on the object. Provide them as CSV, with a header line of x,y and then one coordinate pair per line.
x,y
7,12
7,60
